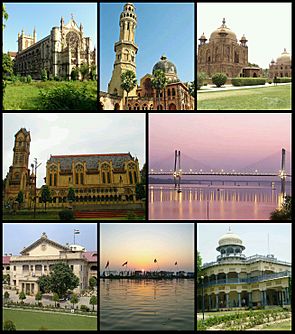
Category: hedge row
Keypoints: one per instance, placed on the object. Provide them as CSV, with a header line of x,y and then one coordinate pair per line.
x,y
247,81
284,79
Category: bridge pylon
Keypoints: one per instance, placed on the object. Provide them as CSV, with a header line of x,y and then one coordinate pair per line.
x,y
177,171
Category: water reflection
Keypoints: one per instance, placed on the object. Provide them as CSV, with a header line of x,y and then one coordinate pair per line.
x,y
217,202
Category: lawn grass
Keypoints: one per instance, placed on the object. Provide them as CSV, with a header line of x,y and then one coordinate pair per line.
x,y
24,96
282,326
274,98
34,320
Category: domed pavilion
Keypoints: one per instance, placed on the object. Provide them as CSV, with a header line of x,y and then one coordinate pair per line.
x,y
282,67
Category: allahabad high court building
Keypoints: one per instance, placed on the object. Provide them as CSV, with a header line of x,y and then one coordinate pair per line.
x,y
176,94
38,258
234,280
96,178
58,53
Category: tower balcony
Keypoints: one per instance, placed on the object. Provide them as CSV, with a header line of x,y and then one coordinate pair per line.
x,y
231,256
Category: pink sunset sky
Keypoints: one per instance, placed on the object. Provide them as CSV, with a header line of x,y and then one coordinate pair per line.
x,y
217,140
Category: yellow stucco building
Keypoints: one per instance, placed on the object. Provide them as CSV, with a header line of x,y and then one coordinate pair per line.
x,y
38,258
235,280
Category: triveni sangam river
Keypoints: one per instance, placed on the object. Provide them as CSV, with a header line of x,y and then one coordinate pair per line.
x,y
239,200
146,304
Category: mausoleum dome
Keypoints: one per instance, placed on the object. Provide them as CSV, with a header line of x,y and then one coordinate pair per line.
x,y
285,58
223,32
165,65
230,239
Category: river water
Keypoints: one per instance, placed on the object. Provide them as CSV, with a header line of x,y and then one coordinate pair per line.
x,y
128,304
235,200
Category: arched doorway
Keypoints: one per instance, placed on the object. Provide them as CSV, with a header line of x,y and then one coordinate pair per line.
x,y
254,75
117,106
172,106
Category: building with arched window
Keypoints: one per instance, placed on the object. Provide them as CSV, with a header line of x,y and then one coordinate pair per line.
x,y
223,54
234,280
38,258
175,96
282,67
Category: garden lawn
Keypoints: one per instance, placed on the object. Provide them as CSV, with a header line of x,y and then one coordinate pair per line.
x,y
34,320
274,98
24,96
281,326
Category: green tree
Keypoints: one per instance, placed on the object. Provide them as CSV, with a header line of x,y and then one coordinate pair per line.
x,y
201,76
4,15
6,279
84,70
219,79
285,212
159,82
75,73
20,199
62,279
9,326
55,298
6,296
92,73
143,174
191,88
43,75
45,195
93,302
92,282
7,65
199,263
74,299
71,195
44,283
140,191
128,82
22,296
38,296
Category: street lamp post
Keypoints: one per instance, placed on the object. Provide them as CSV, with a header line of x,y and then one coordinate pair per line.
x,y
203,300
35,191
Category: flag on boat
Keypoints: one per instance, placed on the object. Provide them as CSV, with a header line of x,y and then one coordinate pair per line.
x,y
107,264
175,263
155,260
76,231
124,264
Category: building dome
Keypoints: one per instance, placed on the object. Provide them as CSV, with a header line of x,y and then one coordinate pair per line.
x,y
285,58
223,31
230,239
166,66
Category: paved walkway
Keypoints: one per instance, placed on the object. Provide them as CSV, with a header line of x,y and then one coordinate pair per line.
x,y
213,88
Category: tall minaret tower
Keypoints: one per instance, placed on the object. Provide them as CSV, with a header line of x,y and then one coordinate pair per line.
x,y
125,49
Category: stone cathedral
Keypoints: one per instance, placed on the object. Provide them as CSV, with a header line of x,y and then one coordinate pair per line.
x,y
176,94
65,48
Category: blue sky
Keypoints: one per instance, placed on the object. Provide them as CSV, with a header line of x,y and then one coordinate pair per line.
x,y
161,28
17,236
254,237
44,16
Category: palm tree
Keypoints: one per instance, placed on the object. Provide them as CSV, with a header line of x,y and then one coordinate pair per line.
x,y
129,82
159,82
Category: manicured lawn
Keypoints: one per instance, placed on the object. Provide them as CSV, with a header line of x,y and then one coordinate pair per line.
x,y
35,320
30,215
282,326
275,98
24,96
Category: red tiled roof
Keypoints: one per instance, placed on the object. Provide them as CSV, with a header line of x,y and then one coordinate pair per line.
x,y
11,53
90,256
5,259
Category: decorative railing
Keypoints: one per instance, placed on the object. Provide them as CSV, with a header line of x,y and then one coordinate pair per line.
x,y
249,280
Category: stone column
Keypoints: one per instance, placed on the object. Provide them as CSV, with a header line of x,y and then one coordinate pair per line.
x,y
265,299
250,299
287,296
262,298
209,302
216,278
238,277
225,278
227,300
239,296
217,301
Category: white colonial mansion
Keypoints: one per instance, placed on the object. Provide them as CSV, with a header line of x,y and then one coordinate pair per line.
x,y
38,258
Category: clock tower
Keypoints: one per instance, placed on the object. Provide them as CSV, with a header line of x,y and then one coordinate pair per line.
x,y
125,49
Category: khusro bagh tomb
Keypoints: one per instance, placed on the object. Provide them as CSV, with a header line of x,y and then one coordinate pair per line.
x,y
38,258
234,280
59,53
95,178
282,67
224,54
175,96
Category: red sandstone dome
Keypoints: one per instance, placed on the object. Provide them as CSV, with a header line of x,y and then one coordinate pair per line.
x,y
223,32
